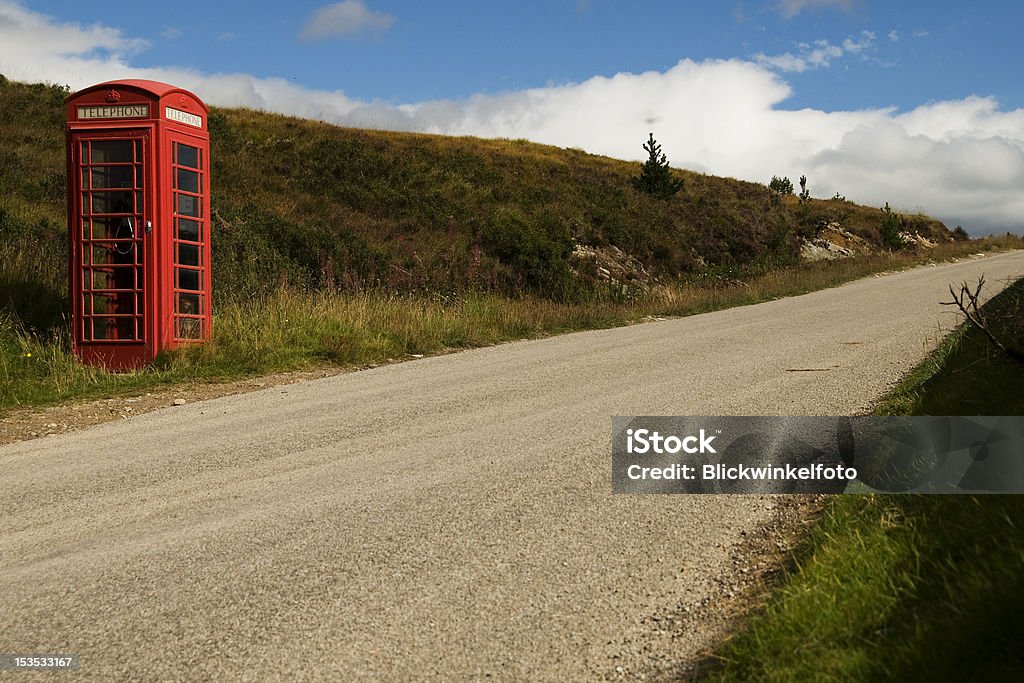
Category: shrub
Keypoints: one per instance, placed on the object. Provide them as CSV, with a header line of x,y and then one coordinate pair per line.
x,y
537,250
890,229
781,186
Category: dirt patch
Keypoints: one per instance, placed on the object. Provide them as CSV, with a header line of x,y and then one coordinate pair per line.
x,y
32,423
678,642
760,562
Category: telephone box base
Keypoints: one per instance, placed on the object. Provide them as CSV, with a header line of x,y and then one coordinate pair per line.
x,y
118,358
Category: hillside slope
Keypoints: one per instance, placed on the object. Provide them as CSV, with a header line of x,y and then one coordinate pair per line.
x,y
314,205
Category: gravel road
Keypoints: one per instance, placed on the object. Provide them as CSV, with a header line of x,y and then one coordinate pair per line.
x,y
448,518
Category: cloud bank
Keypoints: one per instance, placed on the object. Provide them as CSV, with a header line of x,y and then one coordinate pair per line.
x,y
961,161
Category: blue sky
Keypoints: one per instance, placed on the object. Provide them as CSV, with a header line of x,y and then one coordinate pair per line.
x,y
913,103
920,51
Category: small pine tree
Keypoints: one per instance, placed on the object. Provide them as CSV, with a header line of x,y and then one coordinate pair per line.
x,y
805,194
890,229
656,176
781,186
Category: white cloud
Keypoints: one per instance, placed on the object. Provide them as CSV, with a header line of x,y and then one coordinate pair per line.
x,y
817,55
32,35
966,179
960,160
894,36
348,18
791,8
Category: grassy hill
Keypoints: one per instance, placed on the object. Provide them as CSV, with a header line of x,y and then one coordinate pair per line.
x,y
317,206
341,247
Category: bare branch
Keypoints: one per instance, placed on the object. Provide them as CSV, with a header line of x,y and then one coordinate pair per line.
x,y
967,301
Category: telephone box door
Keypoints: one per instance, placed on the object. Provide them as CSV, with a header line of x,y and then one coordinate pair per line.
x,y
190,242
112,246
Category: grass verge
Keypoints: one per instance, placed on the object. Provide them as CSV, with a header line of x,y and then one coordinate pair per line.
x,y
966,375
907,587
894,588
295,330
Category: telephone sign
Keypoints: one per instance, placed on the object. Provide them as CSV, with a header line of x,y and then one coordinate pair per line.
x,y
138,155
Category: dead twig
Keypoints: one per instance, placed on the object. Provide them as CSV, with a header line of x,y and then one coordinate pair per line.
x,y
967,302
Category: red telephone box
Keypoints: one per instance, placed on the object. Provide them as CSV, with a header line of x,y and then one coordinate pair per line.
x,y
138,221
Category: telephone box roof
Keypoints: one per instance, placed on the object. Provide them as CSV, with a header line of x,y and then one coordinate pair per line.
x,y
155,88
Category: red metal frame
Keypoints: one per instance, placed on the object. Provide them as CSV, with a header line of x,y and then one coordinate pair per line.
x,y
138,155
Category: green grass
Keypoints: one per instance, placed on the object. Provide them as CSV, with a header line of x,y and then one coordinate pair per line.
x,y
895,588
967,375
907,587
290,329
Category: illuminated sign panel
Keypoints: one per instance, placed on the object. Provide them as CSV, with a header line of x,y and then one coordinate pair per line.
x,y
183,117
118,111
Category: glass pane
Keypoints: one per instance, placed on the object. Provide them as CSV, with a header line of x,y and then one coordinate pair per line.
x,y
113,176
111,151
112,328
140,202
85,179
118,304
188,328
112,202
103,228
188,206
188,279
188,230
189,304
103,328
188,255
187,156
102,254
125,328
102,279
124,278
188,181
124,303
102,303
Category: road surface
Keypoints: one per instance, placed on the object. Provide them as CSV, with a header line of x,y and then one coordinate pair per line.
x,y
443,519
